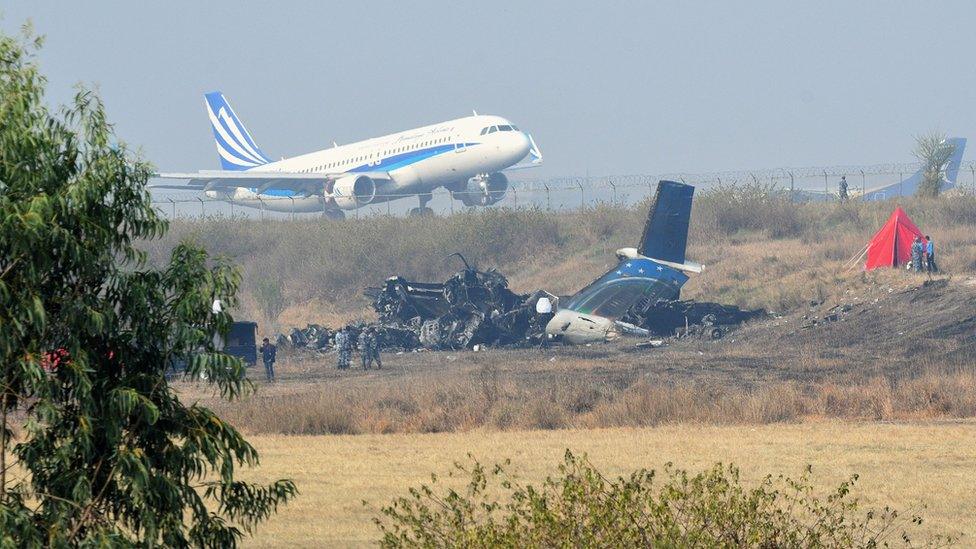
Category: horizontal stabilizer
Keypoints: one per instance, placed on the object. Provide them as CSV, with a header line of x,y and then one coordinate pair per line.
x,y
666,231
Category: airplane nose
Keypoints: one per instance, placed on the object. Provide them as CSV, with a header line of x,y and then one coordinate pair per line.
x,y
520,144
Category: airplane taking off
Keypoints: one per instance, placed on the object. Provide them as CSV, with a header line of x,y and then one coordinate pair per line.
x,y
652,271
466,156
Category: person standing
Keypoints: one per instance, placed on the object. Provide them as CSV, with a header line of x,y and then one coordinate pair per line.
x,y
842,188
370,348
364,348
269,353
343,344
930,265
917,249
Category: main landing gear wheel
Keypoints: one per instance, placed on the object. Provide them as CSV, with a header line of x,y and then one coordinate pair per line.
x,y
336,215
423,210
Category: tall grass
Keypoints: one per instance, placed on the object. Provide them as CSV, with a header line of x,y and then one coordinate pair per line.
x,y
453,402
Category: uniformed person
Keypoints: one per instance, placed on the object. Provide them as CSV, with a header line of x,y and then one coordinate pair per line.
x,y
842,188
343,344
369,348
363,345
917,250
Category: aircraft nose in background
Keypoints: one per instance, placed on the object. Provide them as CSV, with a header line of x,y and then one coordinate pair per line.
x,y
519,144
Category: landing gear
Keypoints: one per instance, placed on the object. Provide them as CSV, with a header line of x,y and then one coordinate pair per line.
x,y
335,215
423,210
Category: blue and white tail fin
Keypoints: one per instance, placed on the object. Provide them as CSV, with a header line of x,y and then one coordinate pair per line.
x,y
235,146
952,167
666,230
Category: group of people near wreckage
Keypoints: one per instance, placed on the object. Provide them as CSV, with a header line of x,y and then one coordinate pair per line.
x,y
368,343
369,348
923,255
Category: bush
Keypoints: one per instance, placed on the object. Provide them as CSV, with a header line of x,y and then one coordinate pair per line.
x,y
582,508
729,209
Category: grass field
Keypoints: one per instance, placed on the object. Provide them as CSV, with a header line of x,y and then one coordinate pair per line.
x,y
904,465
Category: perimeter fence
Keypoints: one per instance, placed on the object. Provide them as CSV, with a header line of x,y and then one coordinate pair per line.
x,y
575,193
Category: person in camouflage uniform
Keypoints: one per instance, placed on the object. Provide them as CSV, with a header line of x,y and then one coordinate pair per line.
x,y
343,345
369,348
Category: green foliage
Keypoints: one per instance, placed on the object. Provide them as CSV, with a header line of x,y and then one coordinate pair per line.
x,y
106,454
581,508
934,151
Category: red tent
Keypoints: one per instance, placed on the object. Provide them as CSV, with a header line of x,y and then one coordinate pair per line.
x,y
892,245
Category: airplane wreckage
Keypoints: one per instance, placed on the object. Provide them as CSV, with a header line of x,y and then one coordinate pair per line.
x,y
474,309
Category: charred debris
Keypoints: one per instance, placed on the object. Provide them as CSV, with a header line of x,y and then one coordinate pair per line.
x,y
474,309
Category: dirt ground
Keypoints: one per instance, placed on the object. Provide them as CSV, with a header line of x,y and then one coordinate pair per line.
x,y
891,326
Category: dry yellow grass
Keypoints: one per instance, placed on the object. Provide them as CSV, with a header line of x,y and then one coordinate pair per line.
x,y
903,465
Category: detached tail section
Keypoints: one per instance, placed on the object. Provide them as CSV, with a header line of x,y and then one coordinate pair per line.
x,y
655,270
666,231
235,146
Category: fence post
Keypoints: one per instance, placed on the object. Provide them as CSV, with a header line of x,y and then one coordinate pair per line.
x,y
548,198
173,202
203,209
862,185
754,178
900,179
614,191
826,191
450,198
292,198
582,203
388,201
232,209
792,191
972,170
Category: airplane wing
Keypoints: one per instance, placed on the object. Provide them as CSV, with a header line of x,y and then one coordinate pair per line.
x,y
306,183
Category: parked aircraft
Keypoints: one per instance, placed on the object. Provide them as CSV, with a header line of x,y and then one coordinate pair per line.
x,y
654,270
907,187
467,156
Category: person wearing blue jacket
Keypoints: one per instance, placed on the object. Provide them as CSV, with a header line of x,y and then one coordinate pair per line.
x,y
930,265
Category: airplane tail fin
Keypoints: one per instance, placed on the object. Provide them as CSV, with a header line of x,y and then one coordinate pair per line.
x,y
666,231
952,168
235,146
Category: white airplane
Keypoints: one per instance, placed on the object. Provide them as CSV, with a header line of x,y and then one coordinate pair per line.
x,y
466,156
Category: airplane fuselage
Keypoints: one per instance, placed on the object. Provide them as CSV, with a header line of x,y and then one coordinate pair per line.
x,y
412,162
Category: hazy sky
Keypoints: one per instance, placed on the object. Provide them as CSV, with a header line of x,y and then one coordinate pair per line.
x,y
609,87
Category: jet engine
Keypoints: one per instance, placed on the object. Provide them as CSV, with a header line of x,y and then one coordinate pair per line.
x,y
353,191
483,190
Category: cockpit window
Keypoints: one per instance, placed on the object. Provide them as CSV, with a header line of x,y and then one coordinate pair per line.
x,y
514,129
484,130
504,128
493,129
